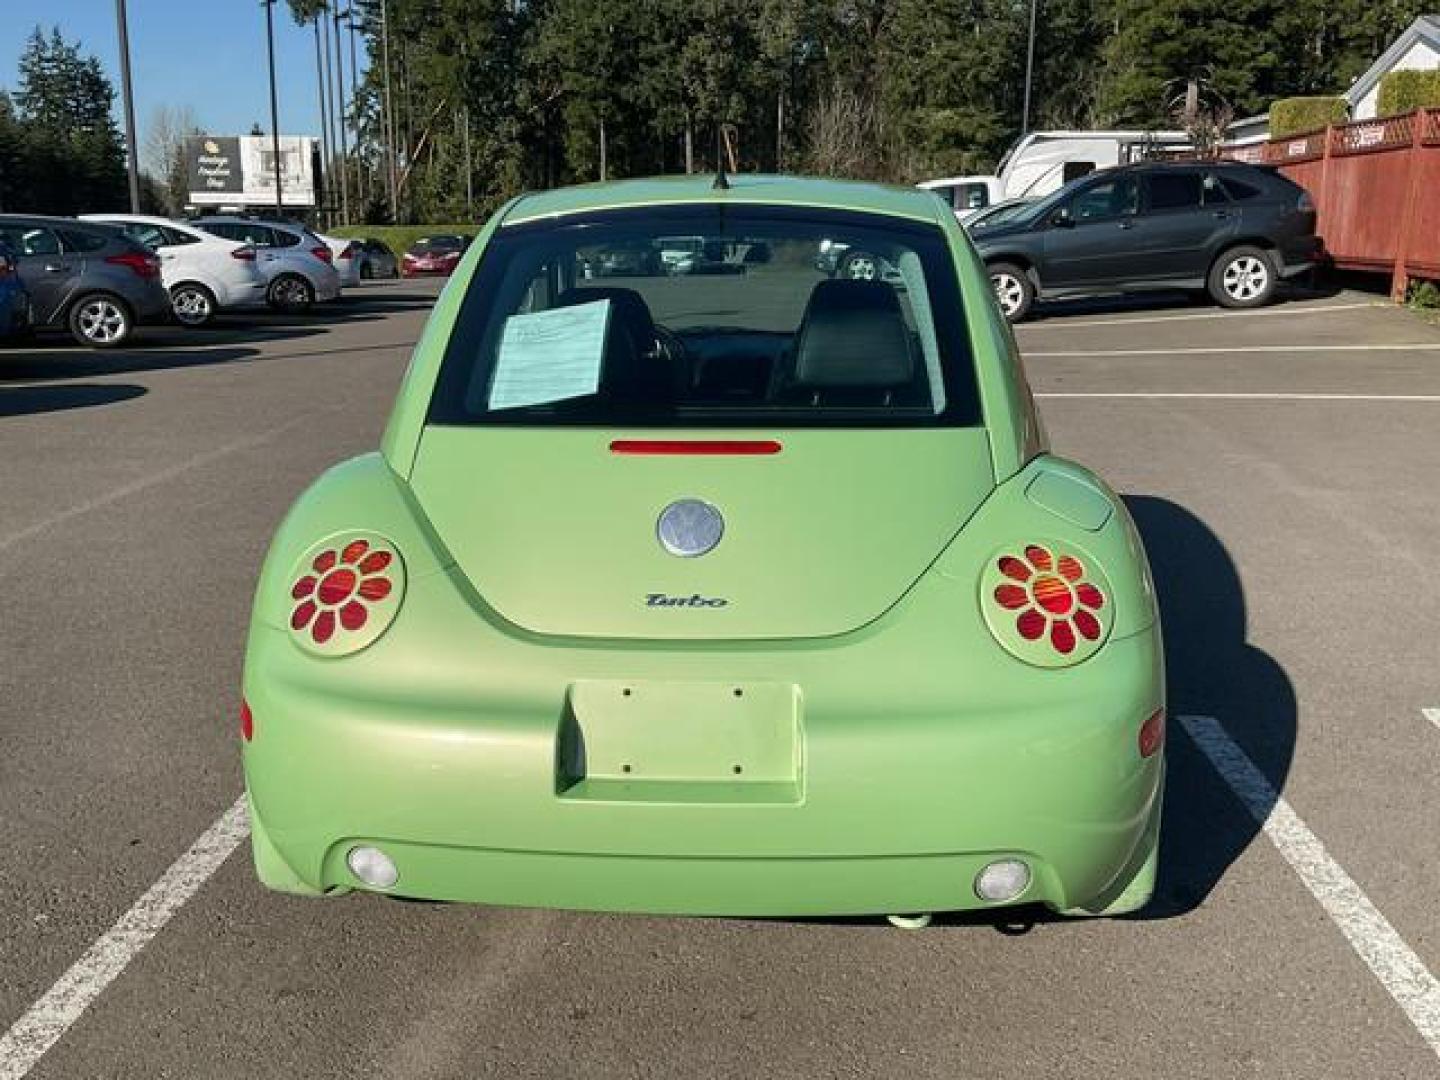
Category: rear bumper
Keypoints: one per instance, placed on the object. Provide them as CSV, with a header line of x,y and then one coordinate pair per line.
x,y
1299,255
892,805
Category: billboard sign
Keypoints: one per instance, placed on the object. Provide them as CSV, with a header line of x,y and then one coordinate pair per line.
x,y
240,171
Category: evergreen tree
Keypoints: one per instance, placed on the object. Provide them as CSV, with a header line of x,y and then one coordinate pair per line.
x,y
67,133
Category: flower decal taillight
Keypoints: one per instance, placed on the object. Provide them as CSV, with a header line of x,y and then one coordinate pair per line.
x,y
344,594
1047,605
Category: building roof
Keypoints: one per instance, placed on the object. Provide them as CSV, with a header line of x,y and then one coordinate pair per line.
x,y
1426,28
744,188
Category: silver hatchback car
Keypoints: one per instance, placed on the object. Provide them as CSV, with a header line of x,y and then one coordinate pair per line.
x,y
298,266
89,279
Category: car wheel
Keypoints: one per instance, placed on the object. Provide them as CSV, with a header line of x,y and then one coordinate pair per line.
x,y
1243,277
291,292
100,321
1014,291
193,304
860,266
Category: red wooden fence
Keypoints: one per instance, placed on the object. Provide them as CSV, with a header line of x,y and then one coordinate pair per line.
x,y
1376,186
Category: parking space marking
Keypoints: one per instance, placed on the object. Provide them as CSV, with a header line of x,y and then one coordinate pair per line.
x,y
48,1019
126,490
1426,346
1402,973
1433,715
1062,323
1222,396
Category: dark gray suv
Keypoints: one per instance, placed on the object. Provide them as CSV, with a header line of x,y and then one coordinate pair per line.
x,y
1233,230
86,278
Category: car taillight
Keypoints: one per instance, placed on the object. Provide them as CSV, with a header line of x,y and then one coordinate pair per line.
x,y
143,264
247,721
244,254
1152,733
349,252
345,593
7,268
323,253
1046,605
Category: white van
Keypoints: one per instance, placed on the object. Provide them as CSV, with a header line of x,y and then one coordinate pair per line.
x,y
1045,161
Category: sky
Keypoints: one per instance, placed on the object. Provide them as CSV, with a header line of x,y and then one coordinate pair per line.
x,y
205,54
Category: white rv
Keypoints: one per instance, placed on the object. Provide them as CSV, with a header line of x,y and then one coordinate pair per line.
x,y
1045,161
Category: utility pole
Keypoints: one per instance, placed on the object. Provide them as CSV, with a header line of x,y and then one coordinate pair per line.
x,y
344,150
331,113
1029,69
325,155
360,173
389,111
131,146
269,6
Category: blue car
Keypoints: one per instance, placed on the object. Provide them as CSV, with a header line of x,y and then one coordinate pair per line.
x,y
14,300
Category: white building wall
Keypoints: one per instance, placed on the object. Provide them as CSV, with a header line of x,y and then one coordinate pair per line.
x,y
1420,57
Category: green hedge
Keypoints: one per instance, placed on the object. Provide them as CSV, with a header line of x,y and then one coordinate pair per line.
x,y
1405,91
400,237
1290,116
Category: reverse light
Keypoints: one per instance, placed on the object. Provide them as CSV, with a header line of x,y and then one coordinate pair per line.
x,y
1002,880
345,593
1152,733
372,866
1047,605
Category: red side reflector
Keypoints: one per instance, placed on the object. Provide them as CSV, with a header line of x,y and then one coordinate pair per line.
x,y
247,722
1152,733
705,447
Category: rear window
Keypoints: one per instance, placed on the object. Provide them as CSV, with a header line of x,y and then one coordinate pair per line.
x,y
437,244
711,316
1174,190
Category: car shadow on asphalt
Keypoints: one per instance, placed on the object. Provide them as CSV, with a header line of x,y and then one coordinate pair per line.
x,y
49,365
1211,670
26,400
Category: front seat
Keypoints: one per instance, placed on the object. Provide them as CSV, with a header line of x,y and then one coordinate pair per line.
x,y
852,348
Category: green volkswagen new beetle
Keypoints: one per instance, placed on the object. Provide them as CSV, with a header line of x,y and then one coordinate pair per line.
x,y
743,590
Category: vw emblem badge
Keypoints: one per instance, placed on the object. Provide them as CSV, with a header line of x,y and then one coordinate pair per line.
x,y
689,527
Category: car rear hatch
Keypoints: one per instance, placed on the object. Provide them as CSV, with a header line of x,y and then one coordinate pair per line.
x,y
558,531
818,438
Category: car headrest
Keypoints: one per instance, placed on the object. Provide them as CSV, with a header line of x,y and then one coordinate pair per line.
x,y
627,307
853,334
631,370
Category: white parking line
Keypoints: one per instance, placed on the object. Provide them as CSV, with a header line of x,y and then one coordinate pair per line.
x,y
49,1018
1259,396
1065,324
1429,346
1433,715
1402,973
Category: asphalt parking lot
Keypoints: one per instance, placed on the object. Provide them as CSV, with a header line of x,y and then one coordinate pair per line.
x,y
1282,467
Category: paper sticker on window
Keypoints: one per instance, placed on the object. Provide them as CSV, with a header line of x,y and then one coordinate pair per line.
x,y
550,356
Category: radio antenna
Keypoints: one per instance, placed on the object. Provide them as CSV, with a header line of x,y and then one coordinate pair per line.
x,y
722,182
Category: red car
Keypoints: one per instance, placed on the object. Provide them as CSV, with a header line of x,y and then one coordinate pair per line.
x,y
434,255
